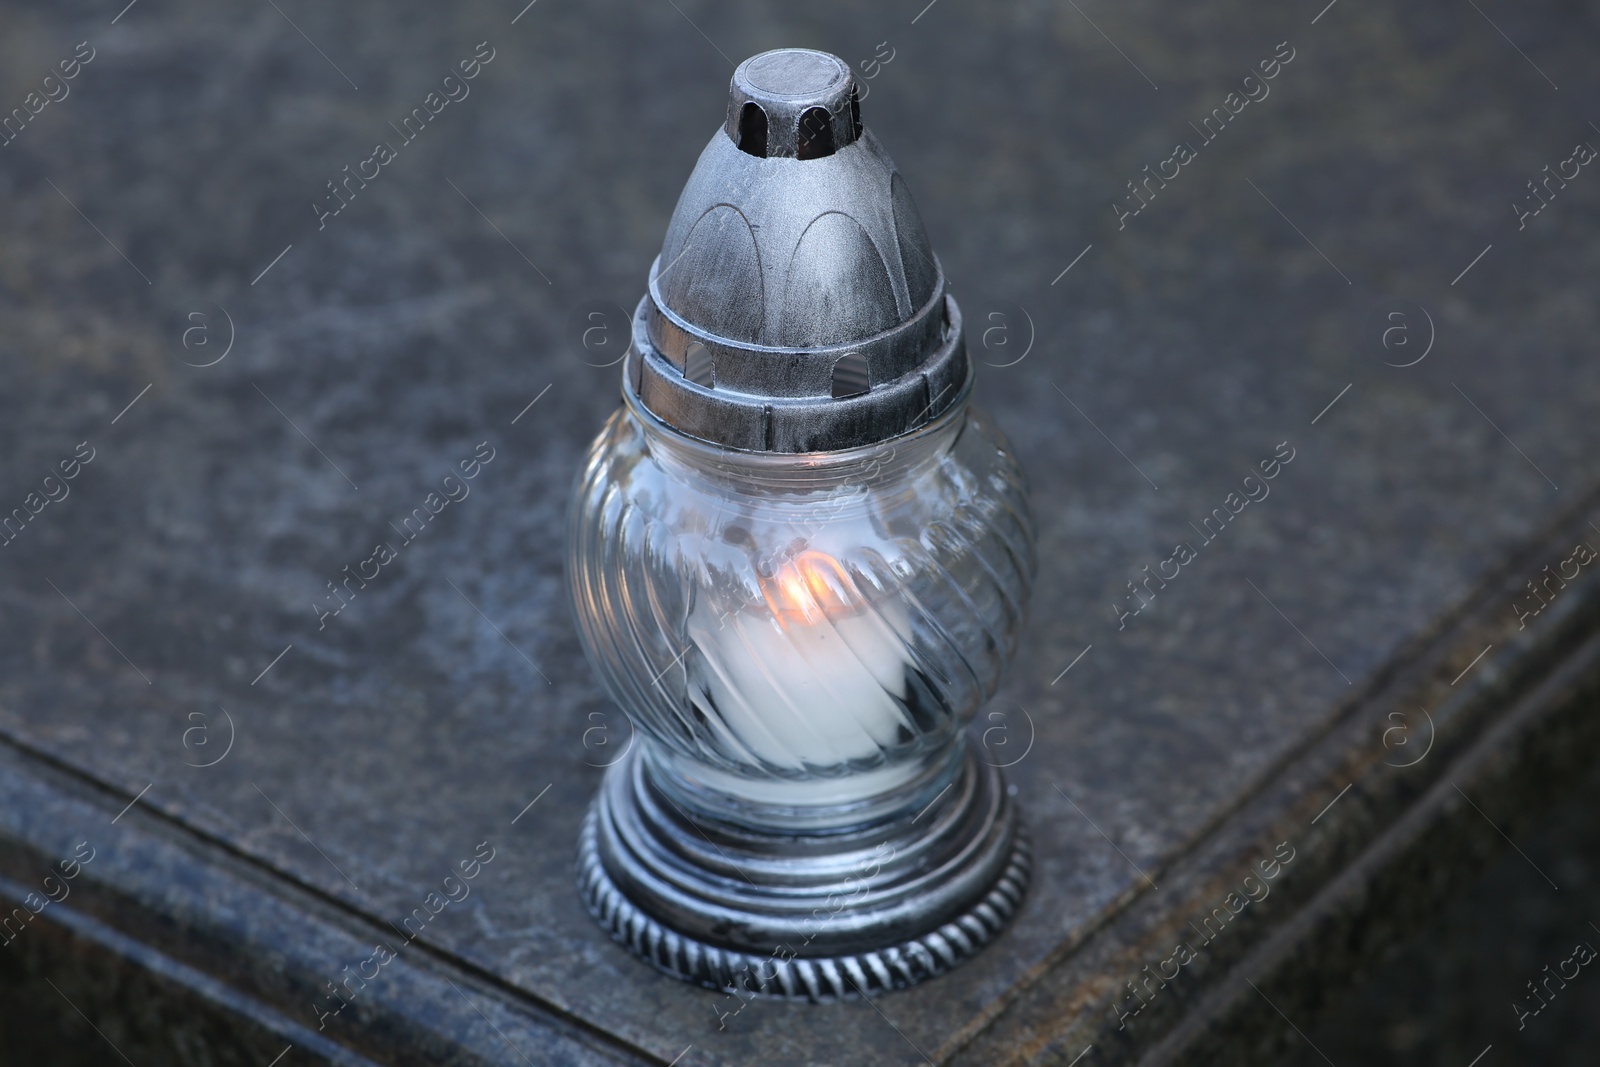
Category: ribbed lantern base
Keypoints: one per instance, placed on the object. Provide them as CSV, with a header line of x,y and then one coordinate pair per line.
x,y
818,916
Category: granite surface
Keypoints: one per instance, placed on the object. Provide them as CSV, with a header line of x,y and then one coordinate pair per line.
x,y
266,388
1448,992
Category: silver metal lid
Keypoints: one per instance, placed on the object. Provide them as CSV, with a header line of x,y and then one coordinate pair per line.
x,y
796,305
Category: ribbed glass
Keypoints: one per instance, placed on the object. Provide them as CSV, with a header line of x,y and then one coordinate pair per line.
x,y
801,629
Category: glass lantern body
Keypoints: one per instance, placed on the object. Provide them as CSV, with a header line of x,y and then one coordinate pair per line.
x,y
800,638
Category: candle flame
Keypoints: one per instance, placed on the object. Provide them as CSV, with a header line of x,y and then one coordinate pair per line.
x,y
810,588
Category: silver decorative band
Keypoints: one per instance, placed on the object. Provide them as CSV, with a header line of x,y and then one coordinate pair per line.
x,y
783,970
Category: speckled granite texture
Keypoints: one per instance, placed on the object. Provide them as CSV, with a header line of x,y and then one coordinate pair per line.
x,y
1450,991
181,584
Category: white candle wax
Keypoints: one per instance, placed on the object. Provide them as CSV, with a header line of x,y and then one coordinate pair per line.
x,y
813,679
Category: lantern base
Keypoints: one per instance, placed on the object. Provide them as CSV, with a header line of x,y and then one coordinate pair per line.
x,y
818,916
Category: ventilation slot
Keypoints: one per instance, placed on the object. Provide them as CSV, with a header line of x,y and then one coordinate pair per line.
x,y
850,376
753,130
855,115
698,366
815,134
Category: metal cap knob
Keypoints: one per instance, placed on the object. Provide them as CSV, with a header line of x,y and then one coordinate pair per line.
x,y
797,305
793,102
